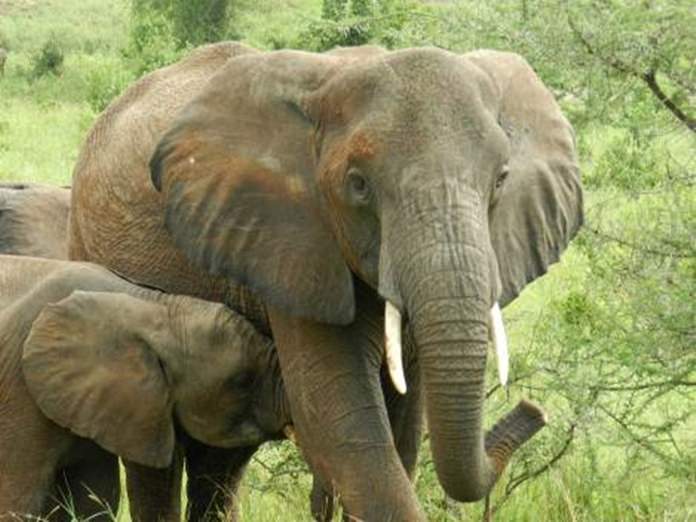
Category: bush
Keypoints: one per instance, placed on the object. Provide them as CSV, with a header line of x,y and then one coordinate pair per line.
x,y
151,44
337,9
104,84
196,22
49,59
188,23
347,23
624,164
161,30
321,35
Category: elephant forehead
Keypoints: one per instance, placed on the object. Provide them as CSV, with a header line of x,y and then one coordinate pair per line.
x,y
362,146
359,146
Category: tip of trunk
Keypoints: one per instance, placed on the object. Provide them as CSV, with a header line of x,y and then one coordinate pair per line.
x,y
512,431
506,437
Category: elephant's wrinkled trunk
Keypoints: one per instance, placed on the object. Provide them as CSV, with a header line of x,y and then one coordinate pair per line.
x,y
447,285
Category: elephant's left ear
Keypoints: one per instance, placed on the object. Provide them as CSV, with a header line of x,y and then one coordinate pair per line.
x,y
237,176
539,208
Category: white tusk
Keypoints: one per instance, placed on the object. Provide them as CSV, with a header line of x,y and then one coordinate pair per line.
x,y
500,343
392,333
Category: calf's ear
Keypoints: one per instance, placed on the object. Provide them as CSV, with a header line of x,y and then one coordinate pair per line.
x,y
90,367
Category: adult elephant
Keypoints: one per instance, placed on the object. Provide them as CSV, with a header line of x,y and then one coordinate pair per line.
x,y
304,189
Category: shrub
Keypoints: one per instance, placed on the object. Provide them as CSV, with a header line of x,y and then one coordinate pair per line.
x,y
624,164
186,22
104,84
321,35
49,59
150,44
195,22
347,23
162,29
337,9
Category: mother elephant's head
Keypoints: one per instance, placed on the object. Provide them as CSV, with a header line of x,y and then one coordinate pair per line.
x,y
446,182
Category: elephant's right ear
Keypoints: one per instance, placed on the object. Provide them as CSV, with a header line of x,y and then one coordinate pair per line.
x,y
88,366
539,209
237,175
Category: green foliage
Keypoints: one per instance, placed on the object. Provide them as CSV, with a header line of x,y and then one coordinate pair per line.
x,y
338,9
188,23
162,30
49,59
197,22
611,355
594,55
645,36
348,23
151,44
106,82
322,35
625,164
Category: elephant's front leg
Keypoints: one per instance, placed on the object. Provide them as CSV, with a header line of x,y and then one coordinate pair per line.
x,y
332,376
214,475
406,419
155,494
321,500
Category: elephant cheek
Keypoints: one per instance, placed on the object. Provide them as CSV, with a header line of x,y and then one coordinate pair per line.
x,y
222,430
358,233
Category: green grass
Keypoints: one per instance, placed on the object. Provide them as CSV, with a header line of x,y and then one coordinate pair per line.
x,y
42,122
39,143
87,26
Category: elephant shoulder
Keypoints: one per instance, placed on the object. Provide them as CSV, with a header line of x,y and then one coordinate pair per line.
x,y
141,113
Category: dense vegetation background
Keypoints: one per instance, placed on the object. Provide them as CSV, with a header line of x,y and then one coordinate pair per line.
x,y
606,342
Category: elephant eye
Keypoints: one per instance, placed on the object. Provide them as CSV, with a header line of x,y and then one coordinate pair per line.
x,y
358,187
501,177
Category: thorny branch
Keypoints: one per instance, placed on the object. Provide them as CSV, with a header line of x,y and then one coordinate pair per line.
x,y
633,246
640,387
516,482
648,77
651,81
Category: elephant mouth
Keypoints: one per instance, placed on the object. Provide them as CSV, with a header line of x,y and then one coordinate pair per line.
x,y
393,345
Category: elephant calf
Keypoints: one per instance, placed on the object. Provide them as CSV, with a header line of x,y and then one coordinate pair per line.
x,y
34,220
92,366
